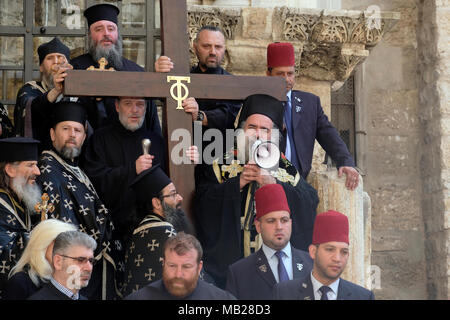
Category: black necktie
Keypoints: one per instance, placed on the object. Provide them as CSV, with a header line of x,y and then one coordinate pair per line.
x,y
324,290
282,273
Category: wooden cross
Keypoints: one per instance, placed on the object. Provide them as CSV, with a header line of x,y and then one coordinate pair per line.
x,y
44,206
175,45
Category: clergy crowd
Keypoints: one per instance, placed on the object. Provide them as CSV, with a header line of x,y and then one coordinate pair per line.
x,y
88,210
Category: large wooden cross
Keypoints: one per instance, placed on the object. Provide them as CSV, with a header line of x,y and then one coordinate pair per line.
x,y
175,45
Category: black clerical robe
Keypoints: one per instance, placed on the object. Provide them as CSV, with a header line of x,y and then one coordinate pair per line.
x,y
7,129
15,227
110,162
220,113
105,112
203,291
224,215
144,255
77,202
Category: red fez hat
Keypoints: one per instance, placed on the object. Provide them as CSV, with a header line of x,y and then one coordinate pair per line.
x,y
280,54
330,226
269,198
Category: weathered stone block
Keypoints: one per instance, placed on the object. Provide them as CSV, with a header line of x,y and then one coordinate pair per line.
x,y
257,23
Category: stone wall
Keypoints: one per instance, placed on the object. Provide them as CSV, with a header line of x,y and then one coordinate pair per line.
x,y
434,97
388,113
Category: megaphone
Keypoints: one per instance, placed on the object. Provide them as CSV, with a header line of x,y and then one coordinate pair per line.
x,y
265,154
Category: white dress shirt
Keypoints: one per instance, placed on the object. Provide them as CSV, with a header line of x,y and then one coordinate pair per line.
x,y
332,294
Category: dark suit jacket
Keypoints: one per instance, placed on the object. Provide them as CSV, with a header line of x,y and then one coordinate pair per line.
x,y
50,292
310,123
252,279
302,289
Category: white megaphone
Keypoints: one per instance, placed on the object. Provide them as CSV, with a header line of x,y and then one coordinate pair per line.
x,y
265,154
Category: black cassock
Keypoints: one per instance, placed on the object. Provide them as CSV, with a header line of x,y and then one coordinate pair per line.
x,y
110,162
77,202
104,112
144,255
15,226
224,215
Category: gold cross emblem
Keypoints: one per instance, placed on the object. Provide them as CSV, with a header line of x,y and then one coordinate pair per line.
x,y
233,169
102,64
44,206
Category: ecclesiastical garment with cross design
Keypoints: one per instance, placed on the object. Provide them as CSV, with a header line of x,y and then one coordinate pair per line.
x,y
224,214
144,255
110,162
77,202
15,227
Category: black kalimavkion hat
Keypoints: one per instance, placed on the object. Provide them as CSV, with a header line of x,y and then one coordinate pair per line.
x,y
102,11
149,183
54,46
18,149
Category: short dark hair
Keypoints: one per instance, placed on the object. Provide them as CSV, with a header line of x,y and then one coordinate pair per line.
x,y
209,28
182,243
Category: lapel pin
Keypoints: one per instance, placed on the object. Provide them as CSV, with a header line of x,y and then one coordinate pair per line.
x,y
304,285
298,109
263,268
298,99
299,266
307,298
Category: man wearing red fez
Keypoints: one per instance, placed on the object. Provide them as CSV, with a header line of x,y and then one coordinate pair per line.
x,y
253,278
225,193
305,120
330,252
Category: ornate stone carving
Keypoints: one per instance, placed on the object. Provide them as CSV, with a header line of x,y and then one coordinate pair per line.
x,y
199,16
334,43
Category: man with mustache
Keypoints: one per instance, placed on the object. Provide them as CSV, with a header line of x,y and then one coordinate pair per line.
x,y
161,217
75,198
330,252
105,41
224,206
209,47
72,262
181,278
36,99
253,278
18,195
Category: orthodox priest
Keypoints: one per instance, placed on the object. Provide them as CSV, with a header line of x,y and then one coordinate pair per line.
x,y
75,198
105,41
114,157
224,204
159,208
18,195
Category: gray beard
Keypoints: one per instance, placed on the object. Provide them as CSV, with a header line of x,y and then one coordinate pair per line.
x,y
177,218
134,127
113,55
48,80
29,194
70,153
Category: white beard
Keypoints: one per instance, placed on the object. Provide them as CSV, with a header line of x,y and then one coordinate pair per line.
x,y
30,194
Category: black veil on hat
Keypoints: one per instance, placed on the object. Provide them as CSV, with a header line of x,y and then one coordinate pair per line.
x,y
102,11
149,183
265,105
54,46
18,149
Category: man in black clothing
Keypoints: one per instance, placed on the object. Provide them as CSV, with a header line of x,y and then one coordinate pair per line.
x,y
6,127
105,41
37,98
181,271
209,47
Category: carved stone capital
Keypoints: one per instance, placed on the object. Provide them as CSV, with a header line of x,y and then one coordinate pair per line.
x,y
333,42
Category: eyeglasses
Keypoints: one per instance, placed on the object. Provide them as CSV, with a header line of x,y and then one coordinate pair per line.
x,y
81,260
173,195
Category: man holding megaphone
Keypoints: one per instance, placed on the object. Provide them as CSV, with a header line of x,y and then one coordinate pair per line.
x,y
224,204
